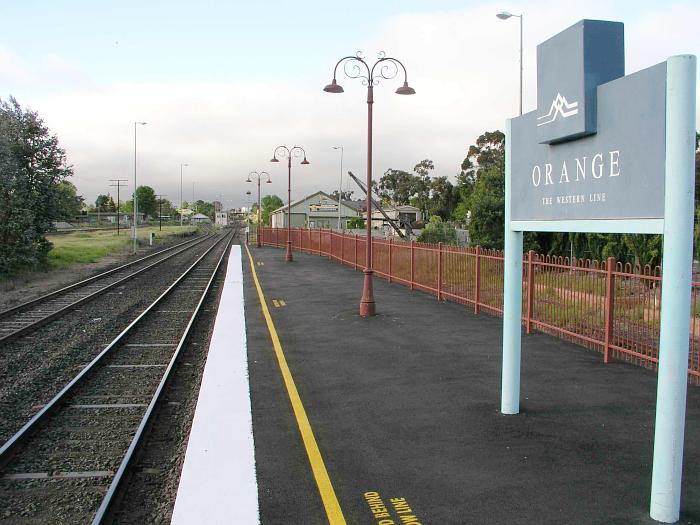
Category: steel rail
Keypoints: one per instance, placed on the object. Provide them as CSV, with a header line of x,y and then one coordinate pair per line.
x,y
24,433
39,322
107,501
50,295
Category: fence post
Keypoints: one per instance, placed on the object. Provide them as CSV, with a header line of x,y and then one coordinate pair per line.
x,y
390,244
342,247
477,279
439,275
411,264
530,290
355,251
609,307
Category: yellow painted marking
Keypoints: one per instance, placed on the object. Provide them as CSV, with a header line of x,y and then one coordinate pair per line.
x,y
276,303
325,488
282,303
260,263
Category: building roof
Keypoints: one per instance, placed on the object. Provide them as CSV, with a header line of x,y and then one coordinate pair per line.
x,y
357,205
199,216
298,201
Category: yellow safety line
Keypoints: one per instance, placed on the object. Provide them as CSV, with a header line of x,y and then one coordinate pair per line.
x,y
330,501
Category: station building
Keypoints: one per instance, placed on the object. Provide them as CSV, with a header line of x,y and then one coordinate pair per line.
x,y
318,210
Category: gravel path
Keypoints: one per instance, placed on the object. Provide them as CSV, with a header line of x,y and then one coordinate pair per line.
x,y
27,286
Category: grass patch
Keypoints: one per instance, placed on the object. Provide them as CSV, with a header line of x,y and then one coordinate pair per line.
x,y
90,247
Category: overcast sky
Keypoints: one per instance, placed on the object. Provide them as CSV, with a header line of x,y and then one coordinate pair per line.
x,y
221,83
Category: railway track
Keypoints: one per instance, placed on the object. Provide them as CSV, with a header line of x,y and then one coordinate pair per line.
x,y
67,463
30,315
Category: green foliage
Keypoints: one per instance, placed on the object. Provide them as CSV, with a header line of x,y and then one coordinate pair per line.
x,y
146,201
32,166
105,203
269,204
206,208
432,196
397,186
356,223
438,231
487,154
486,202
346,195
68,201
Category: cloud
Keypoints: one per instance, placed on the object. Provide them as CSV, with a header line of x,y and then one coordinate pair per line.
x,y
463,64
11,69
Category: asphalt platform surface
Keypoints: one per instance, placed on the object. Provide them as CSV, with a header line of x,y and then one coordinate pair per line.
x,y
406,405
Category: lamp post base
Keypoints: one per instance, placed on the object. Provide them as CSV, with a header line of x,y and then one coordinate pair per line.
x,y
288,252
367,305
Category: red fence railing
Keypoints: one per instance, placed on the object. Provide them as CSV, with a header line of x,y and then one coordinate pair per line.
x,y
608,307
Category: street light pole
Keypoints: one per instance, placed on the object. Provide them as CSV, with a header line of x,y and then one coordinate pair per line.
x,y
135,186
388,69
181,165
505,15
284,151
259,176
340,188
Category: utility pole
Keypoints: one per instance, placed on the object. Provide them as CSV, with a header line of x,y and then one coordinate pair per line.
x,y
160,211
118,185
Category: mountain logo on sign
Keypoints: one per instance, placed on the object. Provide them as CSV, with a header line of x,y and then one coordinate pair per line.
x,y
560,106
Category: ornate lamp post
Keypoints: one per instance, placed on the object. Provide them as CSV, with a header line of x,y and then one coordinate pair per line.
x,y
259,176
384,68
284,151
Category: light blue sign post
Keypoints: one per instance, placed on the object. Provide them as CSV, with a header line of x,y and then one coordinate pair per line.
x,y
608,153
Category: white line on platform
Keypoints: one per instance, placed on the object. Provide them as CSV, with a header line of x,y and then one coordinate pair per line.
x,y
218,483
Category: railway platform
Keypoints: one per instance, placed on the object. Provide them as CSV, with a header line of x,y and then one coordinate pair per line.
x,y
395,419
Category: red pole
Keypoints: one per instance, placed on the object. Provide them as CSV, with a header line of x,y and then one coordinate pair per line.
x,y
530,290
355,251
411,264
257,231
439,278
390,244
477,279
609,307
367,306
288,255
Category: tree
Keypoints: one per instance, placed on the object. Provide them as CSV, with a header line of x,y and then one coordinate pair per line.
x,y
487,154
346,195
146,201
68,201
438,231
486,203
32,166
269,204
397,186
356,223
105,203
443,198
205,208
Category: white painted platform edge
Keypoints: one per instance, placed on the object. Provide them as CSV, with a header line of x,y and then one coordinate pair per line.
x,y
218,484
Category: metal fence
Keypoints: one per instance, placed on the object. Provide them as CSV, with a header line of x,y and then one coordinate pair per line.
x,y
606,306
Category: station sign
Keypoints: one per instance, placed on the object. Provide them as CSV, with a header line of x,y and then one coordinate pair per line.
x,y
595,146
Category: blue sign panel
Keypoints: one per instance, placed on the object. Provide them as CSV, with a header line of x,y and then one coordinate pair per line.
x,y
606,165
570,66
